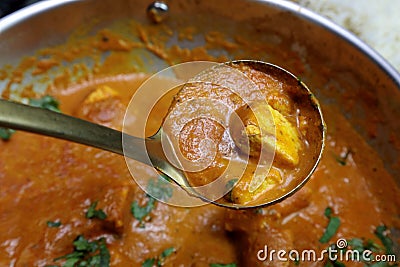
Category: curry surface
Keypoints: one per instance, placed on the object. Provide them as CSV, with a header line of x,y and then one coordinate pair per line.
x,y
44,179
47,180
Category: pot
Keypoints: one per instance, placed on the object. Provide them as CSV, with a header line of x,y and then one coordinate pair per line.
x,y
344,73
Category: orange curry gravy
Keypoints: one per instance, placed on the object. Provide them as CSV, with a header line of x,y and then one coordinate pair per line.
x,y
44,179
48,185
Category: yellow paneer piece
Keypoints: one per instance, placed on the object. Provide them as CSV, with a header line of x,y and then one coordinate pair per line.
x,y
101,93
287,142
263,132
242,194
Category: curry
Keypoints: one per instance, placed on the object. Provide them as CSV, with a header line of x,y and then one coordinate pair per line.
x,y
276,113
64,204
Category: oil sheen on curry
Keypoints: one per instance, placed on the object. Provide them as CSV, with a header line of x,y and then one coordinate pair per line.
x,y
65,204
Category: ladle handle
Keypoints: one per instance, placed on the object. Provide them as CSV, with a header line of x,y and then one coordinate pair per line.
x,y
38,120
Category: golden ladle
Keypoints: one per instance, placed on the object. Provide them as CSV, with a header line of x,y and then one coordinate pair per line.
x,y
37,120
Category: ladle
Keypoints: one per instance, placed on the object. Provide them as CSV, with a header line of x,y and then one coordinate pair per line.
x,y
45,122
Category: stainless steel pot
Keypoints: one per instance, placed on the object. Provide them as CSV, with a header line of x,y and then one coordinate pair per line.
x,y
334,60
337,66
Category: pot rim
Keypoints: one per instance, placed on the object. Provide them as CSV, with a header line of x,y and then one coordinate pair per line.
x,y
35,9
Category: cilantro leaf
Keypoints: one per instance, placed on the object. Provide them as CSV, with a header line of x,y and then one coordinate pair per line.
x,y
81,244
331,229
53,224
87,253
342,160
159,188
231,183
46,102
160,259
6,133
167,252
380,232
328,212
148,262
93,213
140,212
70,262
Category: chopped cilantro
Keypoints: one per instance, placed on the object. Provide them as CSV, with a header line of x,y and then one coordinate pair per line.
x,y
140,212
331,229
223,265
160,259
5,133
87,253
167,252
362,245
148,262
159,188
46,102
231,183
381,233
342,160
93,213
53,224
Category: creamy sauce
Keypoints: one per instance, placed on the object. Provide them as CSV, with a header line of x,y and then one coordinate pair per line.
x,y
56,180
43,179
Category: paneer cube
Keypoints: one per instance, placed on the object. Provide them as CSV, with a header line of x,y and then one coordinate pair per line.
x,y
262,131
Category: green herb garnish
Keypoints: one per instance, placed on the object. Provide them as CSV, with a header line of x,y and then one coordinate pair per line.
x,y
46,102
5,133
361,245
380,232
160,259
231,183
160,188
333,226
140,212
223,265
93,213
342,160
149,262
87,253
157,188
53,224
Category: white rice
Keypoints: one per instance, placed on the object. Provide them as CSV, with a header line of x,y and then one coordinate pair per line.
x,y
377,23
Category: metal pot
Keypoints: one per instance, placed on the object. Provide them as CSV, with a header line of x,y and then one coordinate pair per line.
x,y
337,66
334,60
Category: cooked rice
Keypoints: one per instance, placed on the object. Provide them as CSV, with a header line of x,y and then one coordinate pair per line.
x,y
377,23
